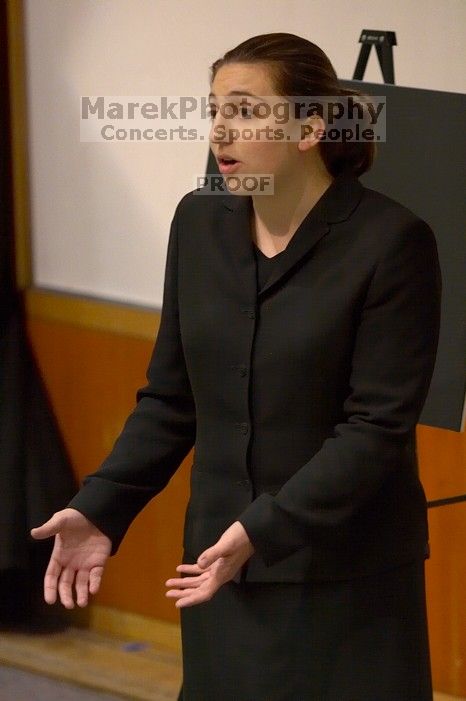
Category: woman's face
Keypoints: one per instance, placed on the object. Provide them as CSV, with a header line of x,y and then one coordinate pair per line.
x,y
262,155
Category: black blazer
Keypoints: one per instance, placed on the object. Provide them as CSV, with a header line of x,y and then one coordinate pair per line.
x,y
301,399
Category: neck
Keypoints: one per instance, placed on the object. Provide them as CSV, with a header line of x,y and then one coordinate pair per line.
x,y
276,218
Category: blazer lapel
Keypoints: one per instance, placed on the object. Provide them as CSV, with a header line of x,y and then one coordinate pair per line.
x,y
336,204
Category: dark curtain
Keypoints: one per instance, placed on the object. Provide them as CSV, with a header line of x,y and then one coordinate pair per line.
x,y
35,472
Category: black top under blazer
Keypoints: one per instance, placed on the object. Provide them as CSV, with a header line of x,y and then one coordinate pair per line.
x,y
301,398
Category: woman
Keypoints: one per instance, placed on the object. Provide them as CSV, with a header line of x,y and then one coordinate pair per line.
x,y
296,346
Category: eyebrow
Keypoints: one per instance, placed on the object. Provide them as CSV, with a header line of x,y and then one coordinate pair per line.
x,y
237,92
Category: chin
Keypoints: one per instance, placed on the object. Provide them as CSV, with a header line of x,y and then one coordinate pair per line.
x,y
233,186
254,184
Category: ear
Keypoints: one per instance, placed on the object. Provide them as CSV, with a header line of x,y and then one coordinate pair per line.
x,y
312,130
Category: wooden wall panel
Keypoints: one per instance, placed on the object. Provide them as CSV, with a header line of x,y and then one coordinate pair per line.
x,y
92,376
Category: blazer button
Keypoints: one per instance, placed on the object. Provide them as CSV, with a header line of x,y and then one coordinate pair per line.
x,y
249,312
242,427
243,483
242,369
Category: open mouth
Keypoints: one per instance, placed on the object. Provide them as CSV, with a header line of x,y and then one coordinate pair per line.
x,y
227,161
227,165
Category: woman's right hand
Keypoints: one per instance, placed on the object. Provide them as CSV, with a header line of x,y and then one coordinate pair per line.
x,y
78,557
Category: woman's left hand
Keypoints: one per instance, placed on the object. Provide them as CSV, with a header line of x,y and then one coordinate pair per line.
x,y
214,567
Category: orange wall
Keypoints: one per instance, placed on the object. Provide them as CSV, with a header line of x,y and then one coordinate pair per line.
x,y
92,377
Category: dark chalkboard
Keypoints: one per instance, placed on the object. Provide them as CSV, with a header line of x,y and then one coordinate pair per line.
x,y
422,165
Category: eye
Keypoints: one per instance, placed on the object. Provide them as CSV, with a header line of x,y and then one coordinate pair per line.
x,y
246,113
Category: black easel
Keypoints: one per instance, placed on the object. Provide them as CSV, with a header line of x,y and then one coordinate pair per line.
x,y
384,42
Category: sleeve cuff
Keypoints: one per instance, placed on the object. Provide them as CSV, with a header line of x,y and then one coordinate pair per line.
x,y
271,530
107,506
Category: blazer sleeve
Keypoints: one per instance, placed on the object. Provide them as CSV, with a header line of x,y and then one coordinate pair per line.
x,y
392,365
158,433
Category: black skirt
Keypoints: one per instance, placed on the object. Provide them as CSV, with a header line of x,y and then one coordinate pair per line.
x,y
363,639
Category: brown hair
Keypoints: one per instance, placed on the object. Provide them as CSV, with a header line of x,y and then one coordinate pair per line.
x,y
299,67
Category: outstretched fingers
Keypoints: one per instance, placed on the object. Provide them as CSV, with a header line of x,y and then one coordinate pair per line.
x,y
61,581
50,581
191,569
187,582
95,577
190,596
82,587
65,587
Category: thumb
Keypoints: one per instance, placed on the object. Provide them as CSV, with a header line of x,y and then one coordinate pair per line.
x,y
209,556
49,528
